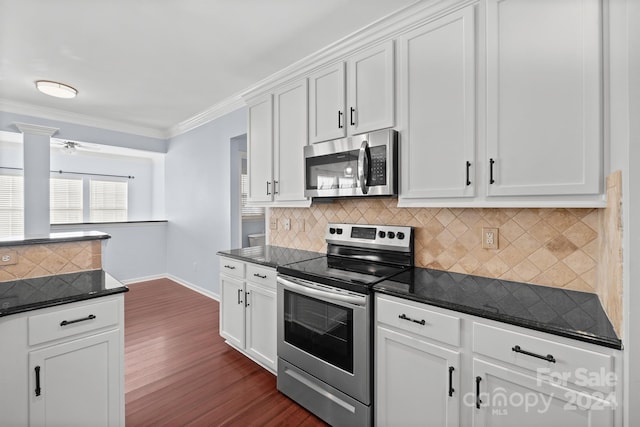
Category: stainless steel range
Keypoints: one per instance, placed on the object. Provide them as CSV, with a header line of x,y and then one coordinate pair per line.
x,y
325,318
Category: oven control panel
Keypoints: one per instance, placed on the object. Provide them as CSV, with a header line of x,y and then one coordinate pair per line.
x,y
394,237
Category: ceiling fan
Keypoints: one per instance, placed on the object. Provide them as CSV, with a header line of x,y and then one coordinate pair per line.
x,y
71,147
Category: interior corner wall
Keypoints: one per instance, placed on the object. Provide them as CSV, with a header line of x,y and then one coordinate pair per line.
x,y
197,197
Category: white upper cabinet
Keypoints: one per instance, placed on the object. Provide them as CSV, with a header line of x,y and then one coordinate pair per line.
x,y
259,144
371,90
290,137
437,92
327,104
544,102
371,101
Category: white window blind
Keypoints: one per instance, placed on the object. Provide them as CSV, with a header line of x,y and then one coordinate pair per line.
x,y
247,211
11,205
65,200
108,201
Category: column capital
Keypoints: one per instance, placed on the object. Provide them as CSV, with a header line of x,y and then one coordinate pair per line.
x,y
35,129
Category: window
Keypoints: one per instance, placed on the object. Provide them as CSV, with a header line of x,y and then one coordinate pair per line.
x,y
108,201
65,200
247,211
11,205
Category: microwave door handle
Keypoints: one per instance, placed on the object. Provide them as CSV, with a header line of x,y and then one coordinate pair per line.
x,y
363,166
312,292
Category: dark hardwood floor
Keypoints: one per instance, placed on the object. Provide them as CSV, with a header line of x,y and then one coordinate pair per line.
x,y
179,371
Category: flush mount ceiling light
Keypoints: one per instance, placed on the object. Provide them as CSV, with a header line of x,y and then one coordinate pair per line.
x,y
59,90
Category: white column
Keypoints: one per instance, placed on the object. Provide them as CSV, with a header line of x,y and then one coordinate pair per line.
x,y
36,142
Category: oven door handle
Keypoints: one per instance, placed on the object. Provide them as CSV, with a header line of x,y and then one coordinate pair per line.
x,y
312,292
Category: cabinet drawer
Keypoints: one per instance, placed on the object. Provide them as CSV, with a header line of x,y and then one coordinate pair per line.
x,y
416,318
573,365
263,275
72,321
231,267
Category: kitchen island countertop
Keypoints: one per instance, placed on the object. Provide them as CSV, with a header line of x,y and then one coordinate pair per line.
x,y
18,296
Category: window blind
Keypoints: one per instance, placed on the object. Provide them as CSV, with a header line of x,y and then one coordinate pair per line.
x,y
247,211
11,205
65,200
108,201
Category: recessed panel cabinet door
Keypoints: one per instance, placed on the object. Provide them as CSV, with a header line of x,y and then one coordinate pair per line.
x,y
76,383
544,102
415,385
260,146
371,89
438,75
505,398
232,311
261,324
291,135
327,118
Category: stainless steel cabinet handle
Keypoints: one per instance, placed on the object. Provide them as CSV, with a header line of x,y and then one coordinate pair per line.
x,y
246,299
268,192
275,187
239,297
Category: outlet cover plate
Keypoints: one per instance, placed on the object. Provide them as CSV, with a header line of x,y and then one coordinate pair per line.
x,y
8,258
489,238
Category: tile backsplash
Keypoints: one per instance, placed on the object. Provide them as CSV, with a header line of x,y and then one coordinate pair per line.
x,y
553,247
52,258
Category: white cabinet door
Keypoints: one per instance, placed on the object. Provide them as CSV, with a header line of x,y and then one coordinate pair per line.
x,y
414,384
438,75
508,398
76,383
327,119
544,102
261,324
290,137
371,89
232,311
260,146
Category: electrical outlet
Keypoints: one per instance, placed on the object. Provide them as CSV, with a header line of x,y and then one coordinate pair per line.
x,y
273,223
300,224
489,238
286,224
8,258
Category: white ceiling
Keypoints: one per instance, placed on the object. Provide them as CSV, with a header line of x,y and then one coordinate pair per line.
x,y
151,64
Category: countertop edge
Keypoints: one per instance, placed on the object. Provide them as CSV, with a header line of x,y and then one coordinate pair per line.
x,y
601,341
62,237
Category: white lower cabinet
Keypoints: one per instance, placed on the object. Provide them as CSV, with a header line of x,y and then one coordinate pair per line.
x,y
505,398
248,310
76,383
416,382
503,375
64,365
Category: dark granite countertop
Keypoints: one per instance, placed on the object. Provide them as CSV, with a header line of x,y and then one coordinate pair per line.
x,y
271,256
72,236
572,314
18,296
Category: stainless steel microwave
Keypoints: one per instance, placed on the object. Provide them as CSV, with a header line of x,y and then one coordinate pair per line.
x,y
360,165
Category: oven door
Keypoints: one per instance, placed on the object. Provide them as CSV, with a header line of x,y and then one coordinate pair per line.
x,y
325,332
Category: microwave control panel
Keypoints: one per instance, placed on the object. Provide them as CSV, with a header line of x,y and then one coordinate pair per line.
x,y
378,166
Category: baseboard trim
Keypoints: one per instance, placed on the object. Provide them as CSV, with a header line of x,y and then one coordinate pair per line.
x,y
143,279
193,287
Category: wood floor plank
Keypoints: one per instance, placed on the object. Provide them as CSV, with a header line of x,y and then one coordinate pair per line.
x,y
180,372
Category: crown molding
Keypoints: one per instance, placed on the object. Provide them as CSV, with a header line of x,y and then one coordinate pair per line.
x,y
35,129
228,105
79,119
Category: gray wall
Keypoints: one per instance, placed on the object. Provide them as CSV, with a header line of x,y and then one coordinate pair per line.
x,y
197,171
